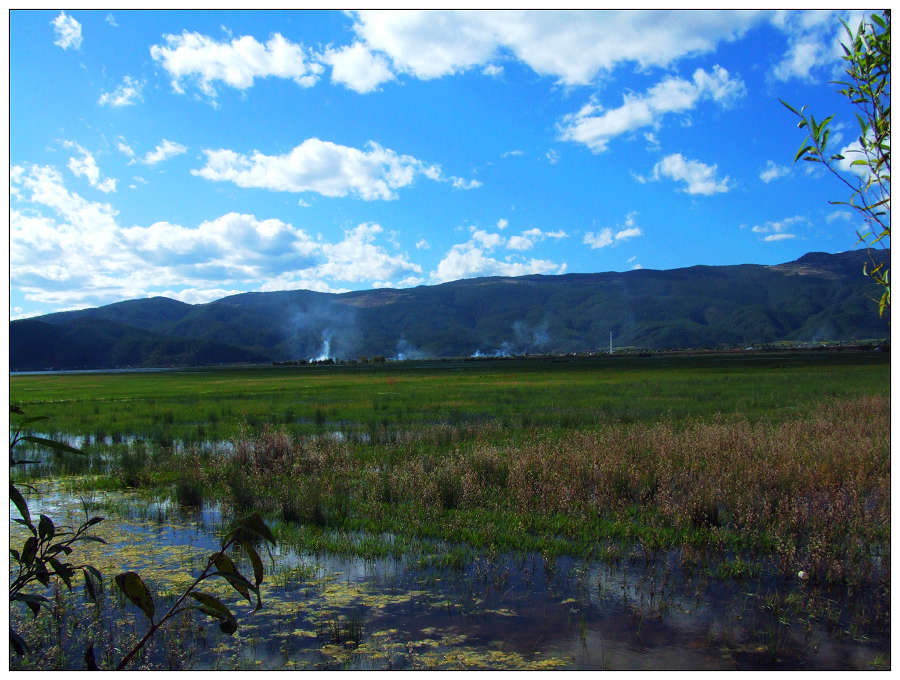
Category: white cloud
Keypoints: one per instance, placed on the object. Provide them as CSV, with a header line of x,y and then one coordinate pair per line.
x,y
123,147
86,166
573,47
527,239
111,20
637,266
325,168
472,258
460,183
601,239
164,151
514,152
96,260
595,126
845,215
628,233
196,57
422,244
777,230
124,95
357,258
466,260
814,42
607,237
854,152
358,68
502,223
699,177
773,172
552,156
67,30
492,70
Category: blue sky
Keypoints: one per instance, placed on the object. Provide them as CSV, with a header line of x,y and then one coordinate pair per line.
x,y
200,154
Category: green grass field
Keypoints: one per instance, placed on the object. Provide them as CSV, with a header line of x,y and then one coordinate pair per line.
x,y
198,405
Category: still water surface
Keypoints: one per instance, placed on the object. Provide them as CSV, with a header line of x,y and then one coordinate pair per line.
x,y
522,612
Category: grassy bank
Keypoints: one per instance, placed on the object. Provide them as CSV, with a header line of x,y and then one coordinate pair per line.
x,y
782,458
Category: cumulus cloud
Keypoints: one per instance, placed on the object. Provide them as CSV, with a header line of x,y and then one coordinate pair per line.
x,y
607,237
357,68
325,168
67,31
125,95
357,258
460,183
86,166
467,260
96,260
204,60
492,70
572,47
164,151
814,42
779,230
527,239
594,126
772,172
698,177
473,258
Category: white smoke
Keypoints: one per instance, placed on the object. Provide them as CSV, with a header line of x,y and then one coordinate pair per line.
x,y
325,353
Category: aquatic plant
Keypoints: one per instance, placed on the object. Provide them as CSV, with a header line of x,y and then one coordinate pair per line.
x,y
243,533
46,551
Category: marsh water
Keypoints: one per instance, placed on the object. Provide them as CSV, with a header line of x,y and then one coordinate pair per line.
x,y
495,611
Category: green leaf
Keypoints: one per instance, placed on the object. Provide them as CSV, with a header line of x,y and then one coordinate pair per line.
x,y
253,524
51,444
223,563
46,530
240,584
89,585
95,539
20,503
213,607
790,108
255,561
801,152
29,550
41,572
34,602
64,571
131,584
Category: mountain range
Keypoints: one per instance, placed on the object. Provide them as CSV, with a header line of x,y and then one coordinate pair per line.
x,y
815,298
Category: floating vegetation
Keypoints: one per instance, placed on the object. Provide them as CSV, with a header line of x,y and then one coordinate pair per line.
x,y
507,613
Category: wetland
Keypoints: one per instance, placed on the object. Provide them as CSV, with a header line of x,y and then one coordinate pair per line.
x,y
663,512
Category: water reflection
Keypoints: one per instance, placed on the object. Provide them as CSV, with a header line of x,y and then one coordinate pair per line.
x,y
328,611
